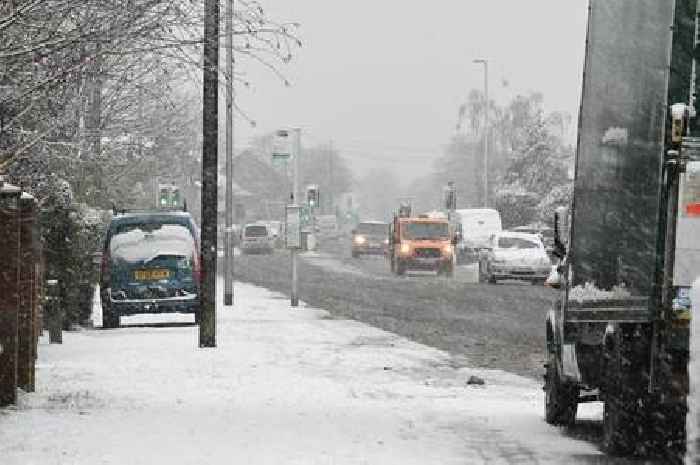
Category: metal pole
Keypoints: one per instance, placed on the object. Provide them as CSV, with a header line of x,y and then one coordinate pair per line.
x,y
486,133
210,131
331,183
228,259
295,194
485,129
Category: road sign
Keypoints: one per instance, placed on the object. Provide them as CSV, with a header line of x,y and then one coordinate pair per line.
x,y
293,227
282,146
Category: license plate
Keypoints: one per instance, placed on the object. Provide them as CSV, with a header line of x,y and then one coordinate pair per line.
x,y
151,275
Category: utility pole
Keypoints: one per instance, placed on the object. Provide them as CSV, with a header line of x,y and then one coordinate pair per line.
x,y
296,200
210,132
486,129
228,258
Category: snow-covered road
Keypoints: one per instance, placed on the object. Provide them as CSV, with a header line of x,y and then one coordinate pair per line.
x,y
284,386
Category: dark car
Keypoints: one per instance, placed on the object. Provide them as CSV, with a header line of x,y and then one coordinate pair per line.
x,y
370,237
150,264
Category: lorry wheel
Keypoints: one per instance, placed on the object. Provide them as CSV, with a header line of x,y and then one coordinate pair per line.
x,y
561,400
109,319
449,271
617,439
400,268
482,273
620,406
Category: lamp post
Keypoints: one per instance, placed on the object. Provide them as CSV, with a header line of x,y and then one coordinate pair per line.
x,y
486,128
228,249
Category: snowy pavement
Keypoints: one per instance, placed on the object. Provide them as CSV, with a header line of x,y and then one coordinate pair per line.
x,y
284,386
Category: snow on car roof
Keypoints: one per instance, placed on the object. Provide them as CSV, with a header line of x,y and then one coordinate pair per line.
x,y
139,245
520,235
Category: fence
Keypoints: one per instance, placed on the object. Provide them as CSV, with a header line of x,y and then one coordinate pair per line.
x,y
20,291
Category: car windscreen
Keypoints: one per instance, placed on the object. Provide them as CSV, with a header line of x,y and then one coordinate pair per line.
x,y
371,229
425,231
255,231
141,242
506,242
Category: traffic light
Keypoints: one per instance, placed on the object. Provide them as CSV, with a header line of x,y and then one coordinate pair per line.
x,y
450,196
164,197
169,196
312,196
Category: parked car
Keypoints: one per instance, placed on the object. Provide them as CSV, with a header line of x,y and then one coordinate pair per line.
x,y
476,226
150,264
256,238
545,232
515,255
370,237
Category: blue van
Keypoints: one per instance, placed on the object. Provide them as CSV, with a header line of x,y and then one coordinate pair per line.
x,y
150,264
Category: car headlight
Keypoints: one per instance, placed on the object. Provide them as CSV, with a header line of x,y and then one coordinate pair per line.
x,y
498,261
386,241
405,249
447,249
360,239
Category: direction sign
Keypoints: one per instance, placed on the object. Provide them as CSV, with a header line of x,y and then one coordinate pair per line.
x,y
282,146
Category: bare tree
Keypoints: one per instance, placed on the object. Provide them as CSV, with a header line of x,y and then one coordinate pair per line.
x,y
95,89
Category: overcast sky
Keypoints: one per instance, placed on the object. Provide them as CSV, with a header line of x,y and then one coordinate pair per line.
x,y
383,79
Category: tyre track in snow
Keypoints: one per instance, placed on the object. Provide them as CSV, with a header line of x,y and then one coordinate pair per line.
x,y
485,326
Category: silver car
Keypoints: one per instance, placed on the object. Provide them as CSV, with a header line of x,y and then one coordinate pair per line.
x,y
515,255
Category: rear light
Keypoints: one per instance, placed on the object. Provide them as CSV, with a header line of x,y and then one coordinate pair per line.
x,y
104,266
197,274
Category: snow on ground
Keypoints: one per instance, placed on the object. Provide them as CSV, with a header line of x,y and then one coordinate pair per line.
x,y
283,386
330,262
467,273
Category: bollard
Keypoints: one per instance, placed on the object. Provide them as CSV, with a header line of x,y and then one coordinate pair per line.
x,y
54,313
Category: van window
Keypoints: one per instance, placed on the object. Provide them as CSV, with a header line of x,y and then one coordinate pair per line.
x,y
425,230
376,229
255,231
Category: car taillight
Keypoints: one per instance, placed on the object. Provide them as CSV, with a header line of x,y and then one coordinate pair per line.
x,y
197,268
104,266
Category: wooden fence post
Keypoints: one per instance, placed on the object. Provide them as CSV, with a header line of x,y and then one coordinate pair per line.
x,y
27,332
9,292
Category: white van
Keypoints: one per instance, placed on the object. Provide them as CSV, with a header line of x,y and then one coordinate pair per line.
x,y
256,238
477,225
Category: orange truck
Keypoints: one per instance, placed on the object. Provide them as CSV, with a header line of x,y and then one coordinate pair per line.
x,y
421,243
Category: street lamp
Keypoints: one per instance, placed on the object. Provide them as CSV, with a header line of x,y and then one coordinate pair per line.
x,y
486,128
